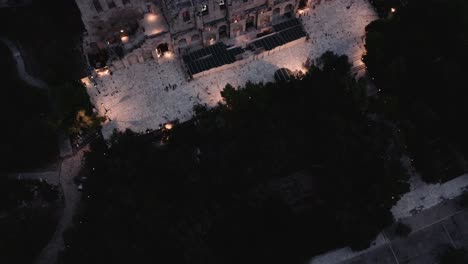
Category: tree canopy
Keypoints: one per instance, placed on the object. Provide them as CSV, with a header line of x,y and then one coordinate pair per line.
x,y
454,256
28,217
418,58
49,34
74,111
220,188
27,138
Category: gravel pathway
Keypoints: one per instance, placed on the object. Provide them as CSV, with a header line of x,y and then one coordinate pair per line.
x,y
69,169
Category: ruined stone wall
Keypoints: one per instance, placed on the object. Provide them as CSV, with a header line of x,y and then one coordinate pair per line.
x,y
101,16
180,16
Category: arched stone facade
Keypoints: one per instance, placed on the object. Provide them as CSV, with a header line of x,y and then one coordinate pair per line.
x,y
195,39
182,43
223,32
276,13
288,10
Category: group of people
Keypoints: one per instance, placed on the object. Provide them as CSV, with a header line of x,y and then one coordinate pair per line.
x,y
170,86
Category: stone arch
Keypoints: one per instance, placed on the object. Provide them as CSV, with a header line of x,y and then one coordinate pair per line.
x,y
182,43
132,59
211,39
195,38
276,13
222,31
250,22
288,10
139,54
161,49
147,50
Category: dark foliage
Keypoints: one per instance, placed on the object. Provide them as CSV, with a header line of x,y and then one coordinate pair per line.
x,y
402,230
418,57
27,138
384,7
206,195
454,256
464,200
49,33
27,219
73,108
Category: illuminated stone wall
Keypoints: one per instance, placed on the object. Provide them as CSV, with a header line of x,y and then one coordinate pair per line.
x,y
209,21
189,23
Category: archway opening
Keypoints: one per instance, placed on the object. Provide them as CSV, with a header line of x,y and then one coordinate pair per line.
x,y
182,43
161,49
288,11
250,23
276,13
195,38
211,39
222,31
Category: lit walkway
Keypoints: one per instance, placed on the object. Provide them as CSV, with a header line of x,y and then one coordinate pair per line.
x,y
433,213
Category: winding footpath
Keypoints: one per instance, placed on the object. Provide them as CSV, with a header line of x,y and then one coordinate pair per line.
x,y
20,67
69,169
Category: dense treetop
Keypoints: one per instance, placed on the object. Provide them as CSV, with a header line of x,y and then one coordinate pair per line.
x,y
202,192
417,57
49,35
27,138
28,216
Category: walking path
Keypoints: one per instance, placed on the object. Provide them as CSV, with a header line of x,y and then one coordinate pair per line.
x,y
434,231
421,209
20,67
51,177
69,169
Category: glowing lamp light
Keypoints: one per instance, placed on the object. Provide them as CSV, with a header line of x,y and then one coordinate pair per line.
x,y
168,126
167,54
151,18
102,72
121,31
393,10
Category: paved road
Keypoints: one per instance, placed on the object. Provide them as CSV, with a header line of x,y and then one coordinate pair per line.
x,y
22,73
